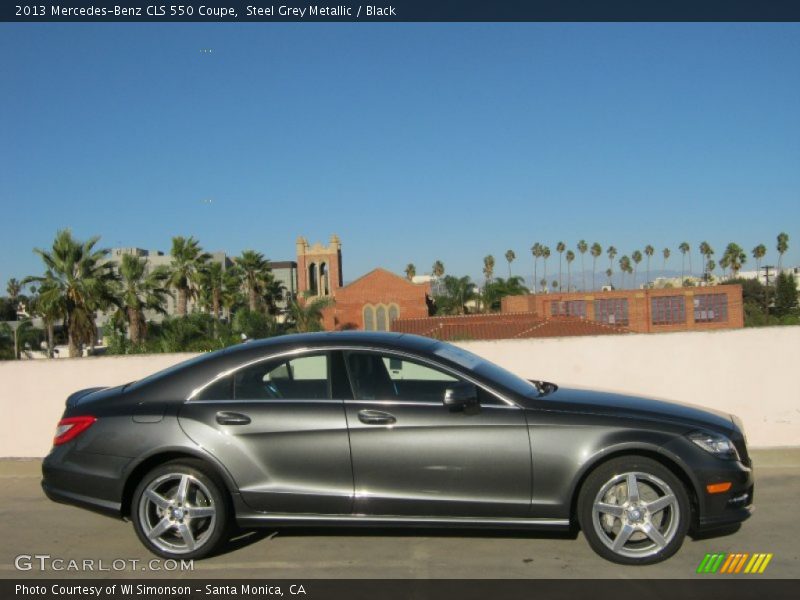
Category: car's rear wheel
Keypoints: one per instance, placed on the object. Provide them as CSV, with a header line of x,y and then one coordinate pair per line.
x,y
179,510
633,510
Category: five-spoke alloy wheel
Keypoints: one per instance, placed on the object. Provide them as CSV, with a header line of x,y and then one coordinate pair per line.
x,y
179,510
633,510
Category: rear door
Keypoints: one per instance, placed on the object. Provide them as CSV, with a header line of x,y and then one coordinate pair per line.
x,y
276,428
412,455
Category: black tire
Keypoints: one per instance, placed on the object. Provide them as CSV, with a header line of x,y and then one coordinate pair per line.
x,y
639,531
205,510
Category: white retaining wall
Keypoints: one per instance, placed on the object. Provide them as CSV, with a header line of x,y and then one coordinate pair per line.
x,y
750,372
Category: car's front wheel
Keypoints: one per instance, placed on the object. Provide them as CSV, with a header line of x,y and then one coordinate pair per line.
x,y
633,510
179,510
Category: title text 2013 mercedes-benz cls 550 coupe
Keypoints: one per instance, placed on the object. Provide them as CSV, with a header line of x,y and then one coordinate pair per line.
x,y
355,428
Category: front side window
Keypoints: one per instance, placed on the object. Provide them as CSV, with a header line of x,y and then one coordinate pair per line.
x,y
385,377
299,378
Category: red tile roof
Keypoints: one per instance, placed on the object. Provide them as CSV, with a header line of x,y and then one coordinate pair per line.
x,y
500,326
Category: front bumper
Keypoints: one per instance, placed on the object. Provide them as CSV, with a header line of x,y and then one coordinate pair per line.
x,y
730,507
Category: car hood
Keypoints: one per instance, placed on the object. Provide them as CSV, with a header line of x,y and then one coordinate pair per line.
x,y
620,405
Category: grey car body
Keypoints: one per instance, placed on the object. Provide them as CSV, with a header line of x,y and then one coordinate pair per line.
x,y
334,454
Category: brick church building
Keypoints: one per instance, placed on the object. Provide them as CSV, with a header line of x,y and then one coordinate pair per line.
x,y
371,302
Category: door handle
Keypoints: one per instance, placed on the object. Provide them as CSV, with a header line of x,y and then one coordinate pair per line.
x,y
375,417
232,418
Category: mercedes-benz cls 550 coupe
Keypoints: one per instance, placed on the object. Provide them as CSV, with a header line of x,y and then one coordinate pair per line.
x,y
357,428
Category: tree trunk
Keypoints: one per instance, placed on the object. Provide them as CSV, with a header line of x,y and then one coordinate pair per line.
x,y
253,299
183,299
74,345
215,304
134,324
50,335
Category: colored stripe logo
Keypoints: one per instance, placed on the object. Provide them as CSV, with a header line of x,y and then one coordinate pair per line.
x,y
734,563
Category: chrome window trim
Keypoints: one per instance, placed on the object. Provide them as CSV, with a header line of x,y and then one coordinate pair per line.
x,y
358,348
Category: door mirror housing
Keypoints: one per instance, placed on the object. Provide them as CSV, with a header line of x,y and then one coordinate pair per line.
x,y
461,395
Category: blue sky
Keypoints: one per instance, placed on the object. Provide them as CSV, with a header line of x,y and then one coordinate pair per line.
x,y
411,142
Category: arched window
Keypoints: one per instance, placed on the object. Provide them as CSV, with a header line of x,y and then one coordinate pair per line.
x,y
369,318
380,318
394,313
324,288
312,278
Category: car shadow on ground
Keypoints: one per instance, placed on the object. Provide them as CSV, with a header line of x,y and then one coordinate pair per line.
x,y
715,533
242,538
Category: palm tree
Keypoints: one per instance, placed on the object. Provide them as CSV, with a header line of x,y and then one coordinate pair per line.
x,y
560,247
48,306
648,252
684,248
188,260
596,250
139,291
256,275
545,256
411,271
500,288
637,258
665,252
759,252
782,247
488,267
582,248
458,291
710,266
438,269
736,257
536,250
212,279
307,316
611,252
543,284
609,273
510,256
706,251
570,258
624,267
13,288
76,284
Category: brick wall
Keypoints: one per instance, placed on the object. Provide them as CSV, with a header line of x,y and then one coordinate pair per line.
x,y
640,305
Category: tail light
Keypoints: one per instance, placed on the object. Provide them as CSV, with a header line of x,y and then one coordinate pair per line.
x,y
71,427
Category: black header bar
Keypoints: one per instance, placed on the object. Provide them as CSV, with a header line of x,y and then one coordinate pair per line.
x,y
404,11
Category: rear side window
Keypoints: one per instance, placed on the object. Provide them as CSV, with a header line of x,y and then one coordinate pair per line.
x,y
298,378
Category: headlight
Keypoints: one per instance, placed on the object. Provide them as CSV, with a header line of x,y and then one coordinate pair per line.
x,y
716,444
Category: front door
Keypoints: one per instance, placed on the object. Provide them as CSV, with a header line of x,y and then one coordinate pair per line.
x,y
412,455
276,428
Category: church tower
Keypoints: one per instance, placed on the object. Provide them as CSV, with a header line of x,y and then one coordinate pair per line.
x,y
319,268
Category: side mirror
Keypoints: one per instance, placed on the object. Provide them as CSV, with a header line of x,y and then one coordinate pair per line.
x,y
461,395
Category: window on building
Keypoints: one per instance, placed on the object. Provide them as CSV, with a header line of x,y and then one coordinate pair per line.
x,y
380,318
369,318
711,308
568,308
394,313
668,310
613,311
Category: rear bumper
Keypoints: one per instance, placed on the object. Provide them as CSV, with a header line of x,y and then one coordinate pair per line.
x,y
82,479
111,509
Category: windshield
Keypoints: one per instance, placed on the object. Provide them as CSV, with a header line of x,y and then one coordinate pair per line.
x,y
487,369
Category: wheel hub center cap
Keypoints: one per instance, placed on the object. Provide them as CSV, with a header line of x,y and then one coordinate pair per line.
x,y
635,515
177,513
